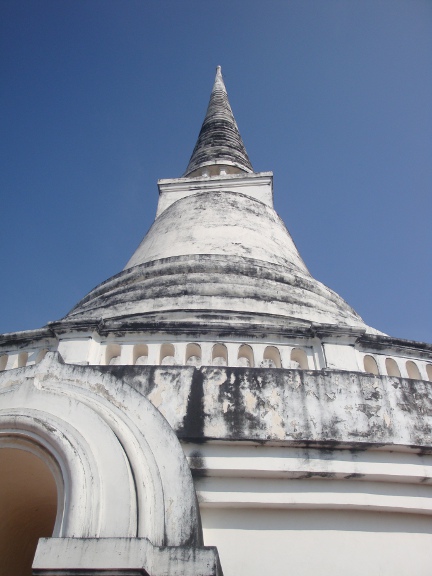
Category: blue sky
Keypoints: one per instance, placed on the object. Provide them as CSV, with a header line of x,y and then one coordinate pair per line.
x,y
99,99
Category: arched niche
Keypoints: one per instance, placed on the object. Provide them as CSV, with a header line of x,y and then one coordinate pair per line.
x,y
140,354
22,359
41,355
28,504
3,362
219,355
413,371
271,358
370,365
167,355
112,354
299,359
245,356
392,367
193,355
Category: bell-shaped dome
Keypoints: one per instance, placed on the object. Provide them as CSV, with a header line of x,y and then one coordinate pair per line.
x,y
217,256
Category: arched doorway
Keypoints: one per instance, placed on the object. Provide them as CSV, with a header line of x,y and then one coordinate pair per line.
x,y
101,453
28,504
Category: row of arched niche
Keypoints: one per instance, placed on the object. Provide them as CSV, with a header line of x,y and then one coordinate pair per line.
x,y
392,368
219,357
245,357
21,359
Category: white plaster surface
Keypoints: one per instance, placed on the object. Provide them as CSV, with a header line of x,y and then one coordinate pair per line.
x,y
123,556
237,291
278,509
340,356
319,542
75,350
219,222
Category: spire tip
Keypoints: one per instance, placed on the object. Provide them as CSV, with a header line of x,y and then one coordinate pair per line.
x,y
219,140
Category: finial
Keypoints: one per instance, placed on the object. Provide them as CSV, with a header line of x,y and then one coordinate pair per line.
x,y
219,141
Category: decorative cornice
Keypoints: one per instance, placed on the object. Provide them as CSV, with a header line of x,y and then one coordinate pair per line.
x,y
25,337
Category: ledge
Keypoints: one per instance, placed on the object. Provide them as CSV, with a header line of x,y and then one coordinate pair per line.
x,y
25,337
312,408
378,343
122,556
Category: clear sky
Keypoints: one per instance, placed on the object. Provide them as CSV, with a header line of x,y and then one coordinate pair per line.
x,y
100,98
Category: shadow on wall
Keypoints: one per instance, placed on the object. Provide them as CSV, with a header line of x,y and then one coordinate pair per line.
x,y
313,520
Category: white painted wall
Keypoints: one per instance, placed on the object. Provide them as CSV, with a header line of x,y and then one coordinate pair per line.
x,y
319,542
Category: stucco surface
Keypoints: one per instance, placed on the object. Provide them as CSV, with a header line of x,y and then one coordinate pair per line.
x,y
219,222
218,251
123,556
319,543
287,405
227,287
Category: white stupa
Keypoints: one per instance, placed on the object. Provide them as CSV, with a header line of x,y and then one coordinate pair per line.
x,y
213,408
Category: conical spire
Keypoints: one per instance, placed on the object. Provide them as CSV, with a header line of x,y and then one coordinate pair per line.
x,y
219,141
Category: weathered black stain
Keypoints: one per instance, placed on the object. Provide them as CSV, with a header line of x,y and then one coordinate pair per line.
x,y
375,395
193,422
230,391
306,391
331,429
197,464
309,475
354,475
368,409
140,378
240,422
